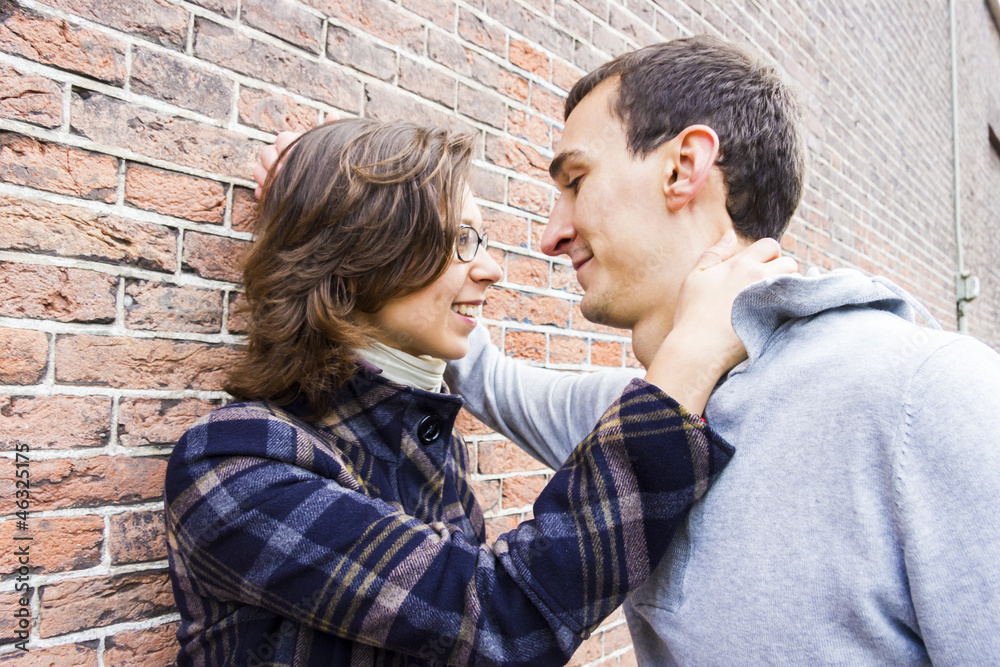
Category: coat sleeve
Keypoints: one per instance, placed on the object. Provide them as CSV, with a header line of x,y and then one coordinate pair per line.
x,y
545,412
255,530
948,501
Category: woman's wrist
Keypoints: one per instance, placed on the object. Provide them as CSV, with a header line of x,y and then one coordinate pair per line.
x,y
687,367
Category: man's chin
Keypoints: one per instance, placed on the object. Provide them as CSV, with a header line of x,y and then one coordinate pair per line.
x,y
597,308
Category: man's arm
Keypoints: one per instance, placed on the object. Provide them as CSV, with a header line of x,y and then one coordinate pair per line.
x,y
948,498
546,412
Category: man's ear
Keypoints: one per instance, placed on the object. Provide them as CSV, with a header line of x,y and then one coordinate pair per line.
x,y
691,157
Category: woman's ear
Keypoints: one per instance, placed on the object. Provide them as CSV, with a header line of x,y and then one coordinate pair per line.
x,y
690,159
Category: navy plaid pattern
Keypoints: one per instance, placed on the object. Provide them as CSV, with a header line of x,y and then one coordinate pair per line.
x,y
358,541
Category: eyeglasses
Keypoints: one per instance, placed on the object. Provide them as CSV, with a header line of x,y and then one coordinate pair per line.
x,y
468,242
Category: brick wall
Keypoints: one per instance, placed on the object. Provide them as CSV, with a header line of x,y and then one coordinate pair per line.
x,y
128,130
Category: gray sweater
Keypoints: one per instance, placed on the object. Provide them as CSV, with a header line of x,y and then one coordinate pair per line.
x,y
859,522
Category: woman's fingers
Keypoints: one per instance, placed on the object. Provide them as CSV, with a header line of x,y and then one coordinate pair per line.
x,y
725,248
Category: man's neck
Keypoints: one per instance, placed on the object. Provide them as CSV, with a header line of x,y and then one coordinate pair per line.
x,y
647,336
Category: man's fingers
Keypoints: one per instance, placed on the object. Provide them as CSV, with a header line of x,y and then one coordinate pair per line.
x,y
725,248
284,140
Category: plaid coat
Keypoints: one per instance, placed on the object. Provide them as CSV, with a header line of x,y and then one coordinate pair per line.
x,y
358,540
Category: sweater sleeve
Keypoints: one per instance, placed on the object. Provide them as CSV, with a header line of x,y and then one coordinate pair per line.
x,y
252,529
545,412
948,502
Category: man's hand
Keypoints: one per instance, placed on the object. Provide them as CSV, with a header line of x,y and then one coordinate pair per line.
x,y
702,346
269,155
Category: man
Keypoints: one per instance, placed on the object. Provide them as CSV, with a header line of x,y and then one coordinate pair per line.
x,y
868,468
867,476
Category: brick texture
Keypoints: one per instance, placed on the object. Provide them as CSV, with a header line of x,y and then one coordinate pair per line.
x,y
128,132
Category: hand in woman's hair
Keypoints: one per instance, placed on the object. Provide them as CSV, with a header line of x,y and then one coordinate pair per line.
x,y
269,155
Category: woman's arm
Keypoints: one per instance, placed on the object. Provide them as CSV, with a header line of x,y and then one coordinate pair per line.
x,y
248,525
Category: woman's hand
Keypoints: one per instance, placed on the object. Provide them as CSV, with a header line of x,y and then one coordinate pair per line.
x,y
269,155
702,346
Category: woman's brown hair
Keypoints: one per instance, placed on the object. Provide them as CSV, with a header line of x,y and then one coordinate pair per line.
x,y
360,211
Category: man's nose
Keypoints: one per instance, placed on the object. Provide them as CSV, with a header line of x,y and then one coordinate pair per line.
x,y
559,231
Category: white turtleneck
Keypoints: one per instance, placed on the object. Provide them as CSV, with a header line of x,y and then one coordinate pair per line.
x,y
422,372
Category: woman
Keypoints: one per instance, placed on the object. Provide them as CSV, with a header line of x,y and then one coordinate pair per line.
x,y
328,518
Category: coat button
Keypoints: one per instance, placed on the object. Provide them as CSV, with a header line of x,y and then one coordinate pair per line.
x,y
429,429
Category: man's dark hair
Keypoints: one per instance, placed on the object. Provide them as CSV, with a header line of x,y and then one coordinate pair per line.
x,y
702,80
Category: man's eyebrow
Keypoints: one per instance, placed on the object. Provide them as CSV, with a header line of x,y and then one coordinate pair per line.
x,y
556,167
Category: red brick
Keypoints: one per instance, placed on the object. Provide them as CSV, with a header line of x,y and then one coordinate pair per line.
x,y
155,421
10,602
57,168
248,56
574,19
547,103
90,482
500,456
214,256
426,82
469,425
539,29
503,81
24,355
137,536
498,525
525,56
59,544
115,123
616,638
31,98
176,81
440,12
141,363
56,229
606,353
56,293
639,30
224,7
150,647
56,422
163,307
564,278
529,196
567,350
360,52
503,227
517,156
528,126
482,106
244,213
378,18
525,345
76,604
285,20
521,491
66,655
487,494
481,33
53,41
565,75
529,271
274,113
488,185
628,660
609,41
589,651
505,304
583,324
239,317
179,195
155,20
385,103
